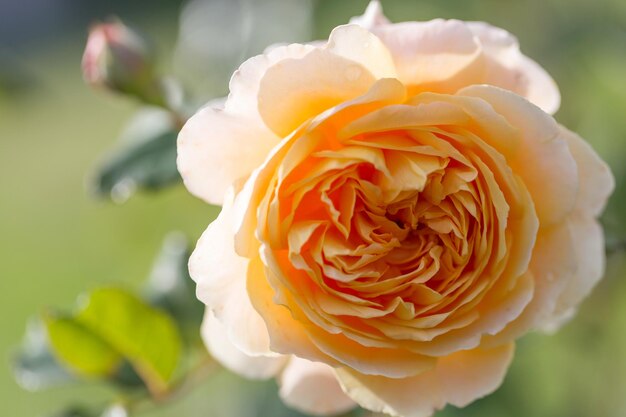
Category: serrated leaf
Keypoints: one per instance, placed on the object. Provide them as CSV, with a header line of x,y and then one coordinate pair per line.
x,y
78,348
145,160
170,286
34,366
145,336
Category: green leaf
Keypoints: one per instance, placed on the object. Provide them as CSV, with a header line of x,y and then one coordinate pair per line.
x,y
79,349
170,286
145,161
34,366
76,411
145,336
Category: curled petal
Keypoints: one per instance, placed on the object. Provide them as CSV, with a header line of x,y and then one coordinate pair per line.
x,y
508,68
543,153
587,239
285,333
246,81
299,89
216,339
372,17
360,45
596,183
457,379
383,92
435,56
312,388
220,276
568,261
207,145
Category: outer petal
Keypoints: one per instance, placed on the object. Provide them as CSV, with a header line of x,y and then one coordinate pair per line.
x,y
596,183
588,242
457,379
372,17
553,263
286,332
245,82
568,261
312,388
254,367
220,275
428,53
360,45
299,89
508,68
543,159
208,145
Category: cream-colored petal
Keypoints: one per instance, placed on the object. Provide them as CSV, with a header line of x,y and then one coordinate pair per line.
x,y
285,333
312,388
596,183
426,53
245,82
372,17
588,243
220,275
360,45
457,379
216,339
540,89
568,261
508,68
543,159
298,89
402,116
208,145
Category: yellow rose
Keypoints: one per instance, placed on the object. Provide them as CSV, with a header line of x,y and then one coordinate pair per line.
x,y
398,208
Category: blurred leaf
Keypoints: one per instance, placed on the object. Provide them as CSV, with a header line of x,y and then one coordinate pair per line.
x,y
34,367
79,349
145,336
170,286
127,377
146,159
76,411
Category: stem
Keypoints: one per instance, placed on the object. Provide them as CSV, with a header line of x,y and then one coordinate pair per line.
x,y
187,383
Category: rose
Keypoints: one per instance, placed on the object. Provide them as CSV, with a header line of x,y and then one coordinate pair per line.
x,y
396,213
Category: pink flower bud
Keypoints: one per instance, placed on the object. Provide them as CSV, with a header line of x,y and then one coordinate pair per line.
x,y
118,58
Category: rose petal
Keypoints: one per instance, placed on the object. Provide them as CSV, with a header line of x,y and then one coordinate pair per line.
x,y
596,183
552,264
567,262
299,89
245,82
457,379
543,159
220,275
372,17
209,143
428,53
360,45
588,242
508,68
383,92
216,339
312,388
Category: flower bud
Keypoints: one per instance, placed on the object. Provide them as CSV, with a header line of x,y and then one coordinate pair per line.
x,y
118,58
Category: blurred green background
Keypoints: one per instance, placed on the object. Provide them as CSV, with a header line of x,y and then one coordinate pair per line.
x,y
56,241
